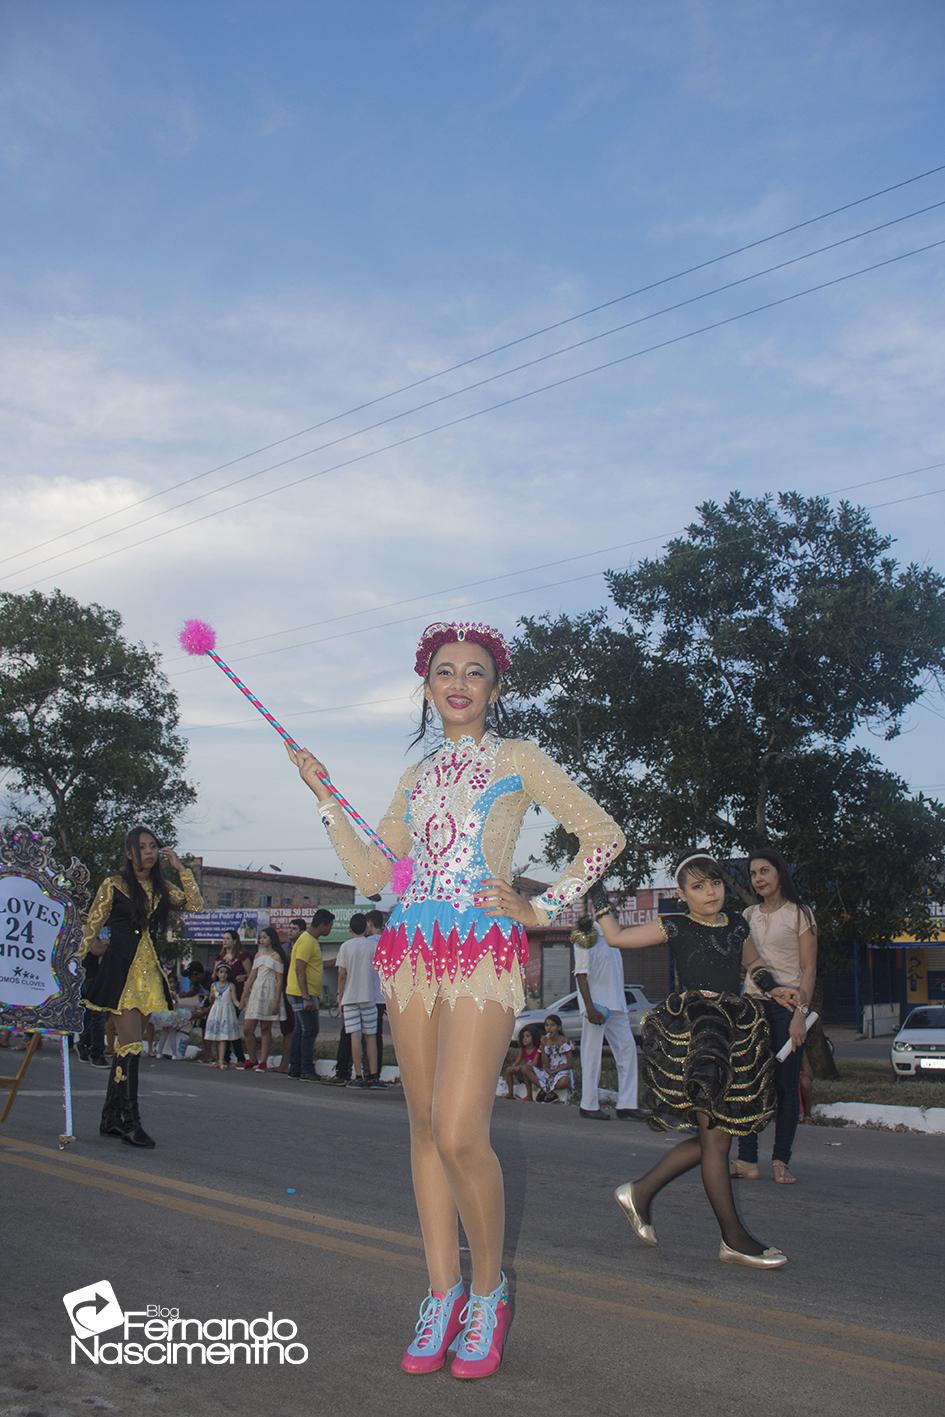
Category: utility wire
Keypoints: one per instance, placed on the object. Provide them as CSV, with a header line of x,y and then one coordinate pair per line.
x,y
483,383
520,571
485,354
489,600
504,403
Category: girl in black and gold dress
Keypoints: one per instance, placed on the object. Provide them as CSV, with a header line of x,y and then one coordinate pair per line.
x,y
707,1061
129,983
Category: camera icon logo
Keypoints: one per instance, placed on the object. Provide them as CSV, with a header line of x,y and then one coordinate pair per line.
x,y
94,1309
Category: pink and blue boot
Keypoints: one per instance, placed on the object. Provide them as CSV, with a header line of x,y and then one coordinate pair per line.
x,y
440,1322
486,1320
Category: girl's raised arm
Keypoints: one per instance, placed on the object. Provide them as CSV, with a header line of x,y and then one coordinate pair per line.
x,y
631,937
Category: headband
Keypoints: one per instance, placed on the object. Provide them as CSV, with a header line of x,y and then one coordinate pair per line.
x,y
442,633
687,861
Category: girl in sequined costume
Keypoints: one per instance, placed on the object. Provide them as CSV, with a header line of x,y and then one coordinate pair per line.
x,y
707,1061
129,983
451,963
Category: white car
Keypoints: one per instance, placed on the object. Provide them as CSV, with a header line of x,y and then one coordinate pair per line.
x,y
918,1049
568,1011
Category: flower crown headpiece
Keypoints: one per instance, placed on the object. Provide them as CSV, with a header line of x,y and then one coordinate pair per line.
x,y
442,633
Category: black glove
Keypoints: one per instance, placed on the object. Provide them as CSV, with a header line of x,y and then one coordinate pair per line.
x,y
596,898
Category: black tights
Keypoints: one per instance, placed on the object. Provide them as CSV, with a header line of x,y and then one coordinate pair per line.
x,y
710,1151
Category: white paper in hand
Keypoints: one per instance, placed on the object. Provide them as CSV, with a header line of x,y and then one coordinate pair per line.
x,y
788,1049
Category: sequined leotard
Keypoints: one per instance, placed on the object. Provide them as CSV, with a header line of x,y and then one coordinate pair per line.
x,y
458,814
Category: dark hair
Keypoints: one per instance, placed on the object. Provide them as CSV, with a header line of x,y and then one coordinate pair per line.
x,y
194,964
139,901
358,923
300,923
500,718
272,935
786,882
557,1019
322,917
532,1031
700,867
377,917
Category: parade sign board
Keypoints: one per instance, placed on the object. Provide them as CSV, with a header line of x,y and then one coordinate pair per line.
x,y
212,924
40,935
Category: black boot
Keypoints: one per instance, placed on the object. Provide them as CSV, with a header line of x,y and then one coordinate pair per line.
x,y
112,1123
135,1135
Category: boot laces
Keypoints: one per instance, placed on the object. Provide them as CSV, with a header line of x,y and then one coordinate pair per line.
x,y
479,1317
431,1325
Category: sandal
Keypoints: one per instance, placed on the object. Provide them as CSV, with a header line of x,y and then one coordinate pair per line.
x,y
745,1171
781,1175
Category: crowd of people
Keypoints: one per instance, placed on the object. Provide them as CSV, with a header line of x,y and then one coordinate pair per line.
x,y
448,965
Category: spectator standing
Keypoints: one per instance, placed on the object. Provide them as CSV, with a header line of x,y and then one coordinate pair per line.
x,y
356,988
262,998
304,989
223,1025
598,973
358,926
238,964
376,920
784,934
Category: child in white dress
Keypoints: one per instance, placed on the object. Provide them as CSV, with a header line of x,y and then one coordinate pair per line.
x,y
262,1001
223,1025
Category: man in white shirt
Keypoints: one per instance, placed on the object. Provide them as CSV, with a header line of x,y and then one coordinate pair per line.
x,y
598,973
357,985
376,920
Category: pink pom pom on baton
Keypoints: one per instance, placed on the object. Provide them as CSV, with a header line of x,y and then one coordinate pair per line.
x,y
197,637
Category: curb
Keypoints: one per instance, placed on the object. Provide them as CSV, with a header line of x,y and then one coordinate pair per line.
x,y
930,1120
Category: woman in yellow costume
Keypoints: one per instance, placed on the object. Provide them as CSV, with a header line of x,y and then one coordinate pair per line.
x,y
129,983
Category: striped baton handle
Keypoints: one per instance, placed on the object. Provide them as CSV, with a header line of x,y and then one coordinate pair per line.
x,y
283,733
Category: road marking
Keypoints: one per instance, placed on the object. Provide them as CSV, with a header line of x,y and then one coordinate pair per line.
x,y
650,1292
567,1290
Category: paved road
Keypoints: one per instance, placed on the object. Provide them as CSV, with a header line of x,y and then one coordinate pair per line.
x,y
205,1223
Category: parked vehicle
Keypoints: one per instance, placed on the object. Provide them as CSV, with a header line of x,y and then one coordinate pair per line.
x,y
918,1049
569,1012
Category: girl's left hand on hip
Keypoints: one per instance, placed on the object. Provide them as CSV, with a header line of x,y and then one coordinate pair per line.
x,y
497,897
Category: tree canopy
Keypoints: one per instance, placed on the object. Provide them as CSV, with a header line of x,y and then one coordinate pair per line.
x,y
87,727
722,698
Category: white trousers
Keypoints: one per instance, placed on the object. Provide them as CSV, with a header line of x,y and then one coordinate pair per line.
x,y
620,1037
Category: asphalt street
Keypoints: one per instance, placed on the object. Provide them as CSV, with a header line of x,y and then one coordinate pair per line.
x,y
266,1194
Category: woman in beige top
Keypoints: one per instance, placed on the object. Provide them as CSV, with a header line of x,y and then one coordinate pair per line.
x,y
450,962
784,934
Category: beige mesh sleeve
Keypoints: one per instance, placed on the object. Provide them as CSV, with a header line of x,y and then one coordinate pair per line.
x,y
364,862
601,840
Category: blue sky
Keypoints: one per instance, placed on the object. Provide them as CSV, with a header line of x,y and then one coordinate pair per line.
x,y
226,222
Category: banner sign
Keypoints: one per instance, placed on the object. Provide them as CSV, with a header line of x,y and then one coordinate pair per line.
x,y
282,916
40,935
211,924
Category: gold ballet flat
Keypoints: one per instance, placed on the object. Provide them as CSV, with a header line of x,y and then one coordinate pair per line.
x,y
623,1195
768,1259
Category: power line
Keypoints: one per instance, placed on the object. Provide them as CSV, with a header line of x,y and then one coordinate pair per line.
x,y
489,600
482,383
474,359
504,403
521,571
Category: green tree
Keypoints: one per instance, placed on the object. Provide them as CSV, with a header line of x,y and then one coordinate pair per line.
x,y
718,702
87,728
